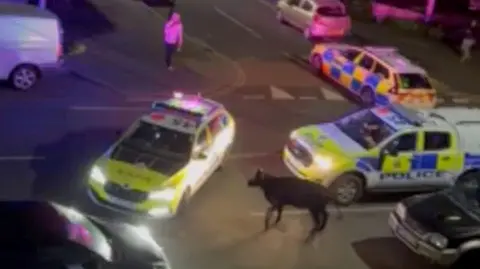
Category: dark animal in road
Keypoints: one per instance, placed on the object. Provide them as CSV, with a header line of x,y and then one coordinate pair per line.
x,y
291,191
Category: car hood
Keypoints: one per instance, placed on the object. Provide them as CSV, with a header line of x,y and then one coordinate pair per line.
x,y
441,213
328,138
128,244
140,176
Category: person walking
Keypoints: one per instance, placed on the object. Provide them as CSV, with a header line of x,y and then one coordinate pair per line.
x,y
173,37
468,42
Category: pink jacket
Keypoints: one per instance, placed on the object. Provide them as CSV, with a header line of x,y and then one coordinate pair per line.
x,y
173,30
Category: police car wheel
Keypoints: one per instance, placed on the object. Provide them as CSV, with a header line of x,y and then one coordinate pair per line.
x,y
368,97
317,62
347,189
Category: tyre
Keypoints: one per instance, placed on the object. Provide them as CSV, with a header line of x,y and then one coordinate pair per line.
x,y
347,189
367,97
24,77
280,17
184,201
317,62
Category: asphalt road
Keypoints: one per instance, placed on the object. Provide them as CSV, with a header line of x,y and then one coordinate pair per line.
x,y
50,137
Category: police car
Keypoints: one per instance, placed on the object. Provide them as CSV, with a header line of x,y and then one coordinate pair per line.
x,y
389,149
377,75
164,157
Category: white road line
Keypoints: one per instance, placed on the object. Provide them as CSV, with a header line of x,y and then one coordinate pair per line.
x,y
461,100
254,97
279,94
307,98
266,4
240,156
235,21
20,158
352,209
331,95
108,108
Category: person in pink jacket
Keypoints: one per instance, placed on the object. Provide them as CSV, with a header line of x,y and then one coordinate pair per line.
x,y
173,37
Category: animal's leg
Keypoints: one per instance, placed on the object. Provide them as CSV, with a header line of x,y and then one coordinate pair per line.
x,y
319,225
268,216
279,214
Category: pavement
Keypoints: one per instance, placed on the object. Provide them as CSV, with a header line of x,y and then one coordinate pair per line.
x,y
51,135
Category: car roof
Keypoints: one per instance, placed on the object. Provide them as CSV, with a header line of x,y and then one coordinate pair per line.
x,y
23,10
30,222
185,113
392,57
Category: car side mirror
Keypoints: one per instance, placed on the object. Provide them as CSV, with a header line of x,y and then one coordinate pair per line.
x,y
200,155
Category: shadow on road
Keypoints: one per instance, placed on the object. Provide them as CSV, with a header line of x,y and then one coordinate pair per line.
x,y
61,176
80,19
388,253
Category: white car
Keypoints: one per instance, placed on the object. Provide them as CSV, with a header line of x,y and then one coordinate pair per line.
x,y
316,18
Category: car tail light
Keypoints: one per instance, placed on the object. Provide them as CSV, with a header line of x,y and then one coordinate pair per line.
x,y
59,50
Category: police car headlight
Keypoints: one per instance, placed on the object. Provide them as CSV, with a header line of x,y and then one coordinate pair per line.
x,y
323,162
166,194
97,175
401,211
293,135
438,240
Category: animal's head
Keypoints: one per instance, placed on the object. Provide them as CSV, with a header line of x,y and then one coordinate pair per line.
x,y
257,179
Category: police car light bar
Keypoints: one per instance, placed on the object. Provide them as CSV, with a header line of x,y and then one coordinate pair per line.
x,y
177,95
409,115
159,105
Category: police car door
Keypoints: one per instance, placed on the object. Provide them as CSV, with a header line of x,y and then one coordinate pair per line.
x,y
220,139
202,160
440,161
395,161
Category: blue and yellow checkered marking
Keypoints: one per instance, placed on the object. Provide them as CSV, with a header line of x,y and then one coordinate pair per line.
x,y
350,74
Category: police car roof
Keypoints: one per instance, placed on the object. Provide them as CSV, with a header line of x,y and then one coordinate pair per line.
x,y
193,104
394,59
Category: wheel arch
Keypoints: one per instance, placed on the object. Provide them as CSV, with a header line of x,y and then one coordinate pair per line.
x,y
35,67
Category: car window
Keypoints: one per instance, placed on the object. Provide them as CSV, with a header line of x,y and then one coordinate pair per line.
x,y
350,54
331,11
307,6
293,2
404,143
413,81
217,124
382,71
366,62
437,141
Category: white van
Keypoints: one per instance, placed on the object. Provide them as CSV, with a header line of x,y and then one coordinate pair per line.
x,y
30,44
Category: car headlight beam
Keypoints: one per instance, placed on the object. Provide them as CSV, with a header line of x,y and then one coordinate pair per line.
x,y
324,163
166,194
97,175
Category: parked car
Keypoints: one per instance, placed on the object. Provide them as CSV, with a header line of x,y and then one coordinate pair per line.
x,y
316,18
30,44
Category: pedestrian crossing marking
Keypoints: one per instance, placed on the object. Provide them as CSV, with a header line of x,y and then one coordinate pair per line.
x,y
280,94
331,95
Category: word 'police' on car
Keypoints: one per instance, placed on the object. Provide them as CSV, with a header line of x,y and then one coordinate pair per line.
x,y
164,157
387,149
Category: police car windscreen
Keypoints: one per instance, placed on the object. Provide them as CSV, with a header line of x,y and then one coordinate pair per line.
x,y
413,81
365,128
159,140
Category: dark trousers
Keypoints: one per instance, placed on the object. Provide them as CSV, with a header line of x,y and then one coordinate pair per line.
x,y
169,51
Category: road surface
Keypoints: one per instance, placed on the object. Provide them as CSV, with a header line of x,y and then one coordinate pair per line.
x,y
51,136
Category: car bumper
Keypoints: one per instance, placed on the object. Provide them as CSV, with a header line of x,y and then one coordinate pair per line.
x,y
300,171
149,208
54,68
418,245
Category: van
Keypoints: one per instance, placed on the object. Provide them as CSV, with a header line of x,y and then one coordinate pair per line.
x,y
30,44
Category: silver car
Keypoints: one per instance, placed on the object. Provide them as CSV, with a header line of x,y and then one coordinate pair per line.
x,y
316,18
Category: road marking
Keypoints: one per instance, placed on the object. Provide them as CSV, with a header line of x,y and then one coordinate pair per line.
x,y
240,156
279,94
461,100
266,4
351,209
307,98
235,21
20,158
108,108
331,95
254,97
